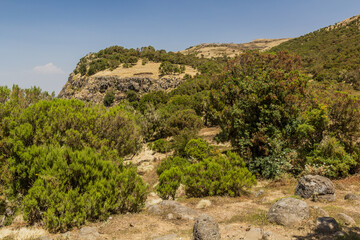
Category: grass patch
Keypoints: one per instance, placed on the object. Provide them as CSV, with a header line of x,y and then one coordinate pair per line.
x,y
252,216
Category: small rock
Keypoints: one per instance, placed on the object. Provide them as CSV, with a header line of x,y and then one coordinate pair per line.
x,y
259,193
152,202
205,228
88,233
339,234
320,211
346,219
180,192
203,204
327,225
254,234
167,237
288,212
145,168
351,196
170,216
316,187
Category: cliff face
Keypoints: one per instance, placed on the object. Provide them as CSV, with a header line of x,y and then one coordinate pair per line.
x,y
94,88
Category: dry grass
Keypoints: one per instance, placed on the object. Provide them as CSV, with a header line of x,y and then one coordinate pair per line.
x,y
22,233
150,69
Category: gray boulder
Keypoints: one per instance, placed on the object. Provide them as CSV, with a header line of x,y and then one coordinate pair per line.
x,y
316,187
288,212
327,225
205,228
346,219
351,196
178,210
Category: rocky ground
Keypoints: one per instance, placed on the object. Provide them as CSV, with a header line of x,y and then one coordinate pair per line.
x,y
245,217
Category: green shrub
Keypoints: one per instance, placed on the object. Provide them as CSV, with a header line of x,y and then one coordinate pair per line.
x,y
169,182
181,120
109,98
67,187
170,162
160,145
198,149
219,175
332,155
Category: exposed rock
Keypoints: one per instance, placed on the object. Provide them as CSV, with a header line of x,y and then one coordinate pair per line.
x,y
320,211
327,225
145,168
180,192
88,233
167,237
271,236
288,212
179,211
346,219
94,88
259,193
204,203
316,187
351,196
254,234
152,202
205,228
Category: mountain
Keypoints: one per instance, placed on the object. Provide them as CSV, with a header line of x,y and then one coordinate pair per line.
x,y
330,53
209,50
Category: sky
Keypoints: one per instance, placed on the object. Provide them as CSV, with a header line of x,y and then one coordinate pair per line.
x,y
41,41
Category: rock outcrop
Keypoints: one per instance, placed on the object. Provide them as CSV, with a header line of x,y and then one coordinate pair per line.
x,y
94,88
316,187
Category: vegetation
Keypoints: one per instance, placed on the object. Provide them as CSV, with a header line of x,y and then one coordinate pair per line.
x,y
61,160
331,53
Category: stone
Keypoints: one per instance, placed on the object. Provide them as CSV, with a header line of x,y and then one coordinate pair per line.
x,y
178,210
180,192
259,193
254,234
152,202
351,196
205,228
88,233
316,187
320,211
327,225
145,168
204,203
288,212
167,237
346,219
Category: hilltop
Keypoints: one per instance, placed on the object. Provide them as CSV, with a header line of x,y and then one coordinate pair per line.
x,y
330,53
210,50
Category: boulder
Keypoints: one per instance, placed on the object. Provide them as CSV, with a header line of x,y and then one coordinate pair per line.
x,y
346,219
316,187
203,204
327,225
178,210
254,234
351,196
288,212
88,233
205,228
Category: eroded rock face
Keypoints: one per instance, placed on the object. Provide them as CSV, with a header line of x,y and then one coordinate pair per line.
x,y
94,88
316,187
288,212
205,228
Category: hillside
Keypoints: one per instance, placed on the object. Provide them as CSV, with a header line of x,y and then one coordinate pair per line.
x,y
118,70
209,50
330,53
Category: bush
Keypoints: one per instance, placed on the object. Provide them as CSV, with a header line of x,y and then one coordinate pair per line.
x,y
67,187
160,145
181,120
109,99
198,149
169,182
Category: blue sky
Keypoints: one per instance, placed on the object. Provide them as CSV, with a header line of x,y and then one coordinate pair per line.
x,y
41,41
